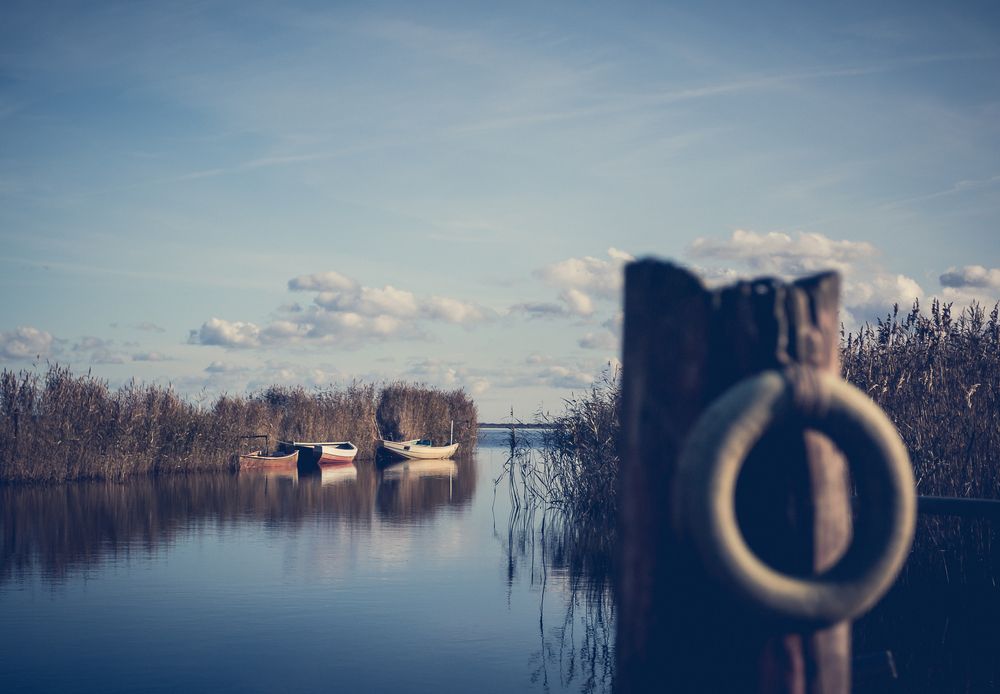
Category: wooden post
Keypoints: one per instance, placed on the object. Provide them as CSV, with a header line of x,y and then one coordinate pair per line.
x,y
683,346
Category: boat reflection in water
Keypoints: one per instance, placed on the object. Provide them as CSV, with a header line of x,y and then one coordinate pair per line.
x,y
420,468
330,475
273,475
412,488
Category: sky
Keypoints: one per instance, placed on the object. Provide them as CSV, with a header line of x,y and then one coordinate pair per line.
x,y
221,196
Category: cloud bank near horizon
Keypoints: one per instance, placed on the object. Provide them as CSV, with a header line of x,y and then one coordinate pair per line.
x,y
343,312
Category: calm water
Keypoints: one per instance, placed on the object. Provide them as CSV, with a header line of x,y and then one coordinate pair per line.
x,y
365,580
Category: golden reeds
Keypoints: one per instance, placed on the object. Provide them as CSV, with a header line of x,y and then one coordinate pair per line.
x,y
59,426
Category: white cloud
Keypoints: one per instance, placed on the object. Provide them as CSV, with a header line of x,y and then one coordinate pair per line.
x,y
369,301
579,303
867,289
602,278
782,255
293,374
557,373
26,342
344,312
581,283
453,311
282,330
875,296
223,333
558,376
448,374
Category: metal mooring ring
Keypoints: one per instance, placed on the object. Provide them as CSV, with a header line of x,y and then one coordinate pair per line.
x,y
710,463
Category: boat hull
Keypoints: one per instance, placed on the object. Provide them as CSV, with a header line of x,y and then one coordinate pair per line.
x,y
324,453
336,456
411,451
259,461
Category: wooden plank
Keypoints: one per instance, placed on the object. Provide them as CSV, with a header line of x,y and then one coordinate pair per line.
x,y
683,346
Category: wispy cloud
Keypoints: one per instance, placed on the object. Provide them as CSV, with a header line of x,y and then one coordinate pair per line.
x,y
959,187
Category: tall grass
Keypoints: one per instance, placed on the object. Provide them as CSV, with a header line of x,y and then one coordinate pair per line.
x,y
937,377
59,426
404,412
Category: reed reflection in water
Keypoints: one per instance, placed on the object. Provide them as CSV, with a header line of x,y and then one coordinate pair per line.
x,y
56,530
569,558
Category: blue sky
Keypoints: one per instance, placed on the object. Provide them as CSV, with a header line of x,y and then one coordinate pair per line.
x,y
227,195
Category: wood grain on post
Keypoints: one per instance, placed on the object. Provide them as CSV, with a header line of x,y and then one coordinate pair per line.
x,y
684,345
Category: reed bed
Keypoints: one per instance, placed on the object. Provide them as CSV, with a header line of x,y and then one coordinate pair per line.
x,y
59,426
937,376
404,412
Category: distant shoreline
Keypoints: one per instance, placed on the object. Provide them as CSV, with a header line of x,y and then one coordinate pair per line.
x,y
508,425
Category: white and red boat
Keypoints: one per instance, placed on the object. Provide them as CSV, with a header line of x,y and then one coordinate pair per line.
x,y
324,452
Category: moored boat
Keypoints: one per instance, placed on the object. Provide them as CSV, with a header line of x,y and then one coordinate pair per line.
x,y
419,449
259,460
324,452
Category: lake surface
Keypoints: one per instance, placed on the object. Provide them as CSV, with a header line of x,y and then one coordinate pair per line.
x,y
401,579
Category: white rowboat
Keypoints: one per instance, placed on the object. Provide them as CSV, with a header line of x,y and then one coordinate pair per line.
x,y
325,452
419,449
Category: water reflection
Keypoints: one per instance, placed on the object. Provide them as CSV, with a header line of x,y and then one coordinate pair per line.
x,y
330,475
404,486
57,530
573,556
238,576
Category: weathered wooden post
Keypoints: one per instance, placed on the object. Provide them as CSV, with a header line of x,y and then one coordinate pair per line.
x,y
773,614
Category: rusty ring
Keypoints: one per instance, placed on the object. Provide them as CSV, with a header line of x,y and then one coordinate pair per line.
x,y
710,463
